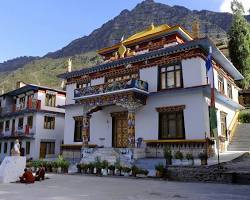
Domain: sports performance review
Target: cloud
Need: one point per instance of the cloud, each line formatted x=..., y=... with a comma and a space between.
x=226, y=5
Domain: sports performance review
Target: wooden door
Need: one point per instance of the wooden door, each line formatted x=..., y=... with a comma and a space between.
x=120, y=130
x=43, y=149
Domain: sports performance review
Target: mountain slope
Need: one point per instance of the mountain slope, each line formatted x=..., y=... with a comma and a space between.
x=213, y=24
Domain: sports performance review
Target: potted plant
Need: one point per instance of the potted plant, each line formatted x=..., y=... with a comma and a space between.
x=91, y=168
x=134, y=170
x=190, y=158
x=54, y=167
x=126, y=171
x=142, y=172
x=98, y=166
x=118, y=166
x=159, y=170
x=105, y=165
x=168, y=156
x=179, y=157
x=78, y=166
x=65, y=166
x=111, y=169
x=203, y=157
x=84, y=168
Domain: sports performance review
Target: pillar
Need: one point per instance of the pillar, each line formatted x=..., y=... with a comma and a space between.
x=131, y=128
x=85, y=130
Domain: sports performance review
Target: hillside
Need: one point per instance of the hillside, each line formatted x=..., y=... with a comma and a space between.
x=44, y=70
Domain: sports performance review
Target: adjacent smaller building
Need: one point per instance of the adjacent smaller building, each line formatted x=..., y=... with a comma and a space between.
x=32, y=114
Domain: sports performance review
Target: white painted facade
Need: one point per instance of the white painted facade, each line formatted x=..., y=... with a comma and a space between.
x=38, y=133
x=194, y=95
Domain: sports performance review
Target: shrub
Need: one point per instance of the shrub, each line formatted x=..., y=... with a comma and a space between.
x=105, y=164
x=142, y=171
x=126, y=169
x=112, y=169
x=98, y=165
x=189, y=156
x=203, y=155
x=167, y=153
x=159, y=167
x=178, y=155
x=134, y=170
x=244, y=117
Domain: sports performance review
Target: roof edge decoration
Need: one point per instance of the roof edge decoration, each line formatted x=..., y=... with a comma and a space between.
x=202, y=43
x=150, y=32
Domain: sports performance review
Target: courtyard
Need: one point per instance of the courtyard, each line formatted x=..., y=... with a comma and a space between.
x=74, y=187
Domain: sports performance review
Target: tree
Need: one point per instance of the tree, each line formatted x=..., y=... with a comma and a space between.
x=239, y=42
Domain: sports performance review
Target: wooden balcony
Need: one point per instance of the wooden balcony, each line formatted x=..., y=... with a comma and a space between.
x=111, y=88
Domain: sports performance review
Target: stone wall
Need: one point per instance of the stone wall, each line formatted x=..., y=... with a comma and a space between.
x=200, y=174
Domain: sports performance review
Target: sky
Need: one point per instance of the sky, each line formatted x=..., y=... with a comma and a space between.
x=34, y=28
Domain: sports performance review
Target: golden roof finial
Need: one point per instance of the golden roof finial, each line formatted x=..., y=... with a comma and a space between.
x=196, y=29
x=122, y=50
x=152, y=26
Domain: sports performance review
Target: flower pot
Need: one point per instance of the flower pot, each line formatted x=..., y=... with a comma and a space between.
x=54, y=169
x=59, y=170
x=159, y=174
x=104, y=172
x=177, y=162
x=204, y=161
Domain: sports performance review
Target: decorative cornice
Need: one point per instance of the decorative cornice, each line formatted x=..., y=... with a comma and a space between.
x=171, y=108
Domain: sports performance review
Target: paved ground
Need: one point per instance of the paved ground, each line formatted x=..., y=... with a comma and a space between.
x=74, y=187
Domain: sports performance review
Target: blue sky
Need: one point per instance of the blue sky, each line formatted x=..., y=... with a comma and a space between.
x=35, y=27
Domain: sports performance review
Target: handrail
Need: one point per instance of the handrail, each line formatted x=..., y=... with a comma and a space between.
x=232, y=126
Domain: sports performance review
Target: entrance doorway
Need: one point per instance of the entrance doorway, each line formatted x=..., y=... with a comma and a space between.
x=120, y=129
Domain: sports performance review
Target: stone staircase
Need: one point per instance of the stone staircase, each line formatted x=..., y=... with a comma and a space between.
x=241, y=138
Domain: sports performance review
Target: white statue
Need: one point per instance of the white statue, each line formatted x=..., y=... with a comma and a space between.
x=16, y=149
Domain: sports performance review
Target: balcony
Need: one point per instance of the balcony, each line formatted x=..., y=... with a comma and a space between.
x=133, y=85
x=32, y=104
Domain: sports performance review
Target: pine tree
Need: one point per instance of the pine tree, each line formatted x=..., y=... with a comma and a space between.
x=239, y=42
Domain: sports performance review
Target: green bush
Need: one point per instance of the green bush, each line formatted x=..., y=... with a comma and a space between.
x=134, y=170
x=244, y=117
x=178, y=155
x=126, y=169
x=189, y=156
x=159, y=167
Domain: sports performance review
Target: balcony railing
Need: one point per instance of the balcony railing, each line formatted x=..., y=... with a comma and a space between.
x=32, y=104
x=111, y=87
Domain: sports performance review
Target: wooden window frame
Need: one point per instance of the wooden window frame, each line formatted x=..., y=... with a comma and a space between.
x=80, y=125
x=19, y=125
x=49, y=124
x=230, y=91
x=223, y=116
x=27, y=148
x=30, y=123
x=50, y=100
x=221, y=82
x=167, y=111
x=175, y=80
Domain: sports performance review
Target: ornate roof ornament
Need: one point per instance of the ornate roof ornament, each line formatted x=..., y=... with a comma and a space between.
x=122, y=50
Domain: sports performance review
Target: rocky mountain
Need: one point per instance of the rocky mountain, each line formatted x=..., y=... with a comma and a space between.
x=16, y=63
x=213, y=24
x=128, y=22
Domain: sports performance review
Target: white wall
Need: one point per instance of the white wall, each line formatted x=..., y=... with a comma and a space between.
x=147, y=118
x=194, y=72
x=97, y=81
x=70, y=93
x=150, y=75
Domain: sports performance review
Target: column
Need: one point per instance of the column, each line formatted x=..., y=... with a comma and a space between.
x=85, y=130
x=131, y=128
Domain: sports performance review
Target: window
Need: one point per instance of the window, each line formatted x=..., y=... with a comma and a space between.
x=48, y=147
x=30, y=121
x=223, y=124
x=50, y=100
x=83, y=85
x=22, y=102
x=5, y=147
x=0, y=147
x=27, y=148
x=221, y=84
x=1, y=127
x=78, y=130
x=122, y=78
x=49, y=122
x=7, y=125
x=20, y=123
x=170, y=77
x=171, y=125
x=11, y=146
x=229, y=91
